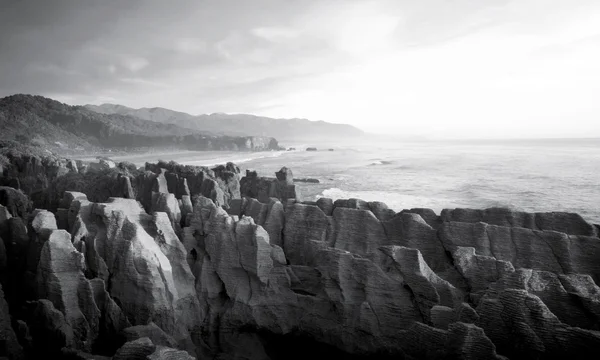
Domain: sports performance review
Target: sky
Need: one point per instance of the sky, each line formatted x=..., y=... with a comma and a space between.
x=436, y=68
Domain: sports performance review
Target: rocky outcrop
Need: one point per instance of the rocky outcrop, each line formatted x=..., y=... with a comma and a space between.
x=9, y=344
x=262, y=188
x=247, y=275
x=568, y=223
x=143, y=262
x=270, y=216
x=307, y=180
x=145, y=349
x=15, y=201
x=183, y=266
x=525, y=248
x=60, y=279
x=444, y=277
x=221, y=184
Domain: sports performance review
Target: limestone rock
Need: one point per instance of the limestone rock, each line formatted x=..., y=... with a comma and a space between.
x=150, y=331
x=525, y=248
x=186, y=207
x=412, y=231
x=41, y=225
x=522, y=327
x=69, y=197
x=286, y=175
x=326, y=205
x=15, y=201
x=574, y=298
x=270, y=216
x=468, y=341
x=460, y=341
x=112, y=320
x=263, y=188
x=428, y=288
x=16, y=241
x=138, y=349
x=479, y=271
x=381, y=211
x=228, y=180
x=303, y=223
x=430, y=217
x=72, y=166
x=60, y=279
x=351, y=204
x=357, y=231
x=167, y=203
x=9, y=344
x=165, y=353
x=49, y=329
x=568, y=223
x=146, y=264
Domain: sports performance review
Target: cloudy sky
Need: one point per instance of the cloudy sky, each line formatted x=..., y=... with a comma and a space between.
x=445, y=68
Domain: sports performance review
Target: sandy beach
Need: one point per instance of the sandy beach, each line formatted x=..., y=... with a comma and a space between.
x=198, y=158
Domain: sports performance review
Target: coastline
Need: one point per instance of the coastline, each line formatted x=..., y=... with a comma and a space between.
x=188, y=157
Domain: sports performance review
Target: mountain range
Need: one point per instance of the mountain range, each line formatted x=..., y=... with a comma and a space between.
x=37, y=120
x=238, y=124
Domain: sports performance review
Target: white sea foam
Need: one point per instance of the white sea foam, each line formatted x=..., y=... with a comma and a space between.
x=235, y=160
x=394, y=201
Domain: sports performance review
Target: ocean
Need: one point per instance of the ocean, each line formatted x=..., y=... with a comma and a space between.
x=527, y=175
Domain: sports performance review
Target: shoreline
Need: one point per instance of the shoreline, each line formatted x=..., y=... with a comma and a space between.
x=188, y=157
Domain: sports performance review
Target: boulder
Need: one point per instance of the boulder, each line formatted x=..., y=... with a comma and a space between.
x=285, y=175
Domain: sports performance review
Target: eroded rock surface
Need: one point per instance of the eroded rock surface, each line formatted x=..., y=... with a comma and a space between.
x=196, y=262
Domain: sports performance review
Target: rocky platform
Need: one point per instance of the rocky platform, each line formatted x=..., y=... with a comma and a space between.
x=182, y=265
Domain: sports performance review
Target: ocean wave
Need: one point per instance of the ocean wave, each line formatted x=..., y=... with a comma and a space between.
x=223, y=160
x=395, y=201
x=381, y=162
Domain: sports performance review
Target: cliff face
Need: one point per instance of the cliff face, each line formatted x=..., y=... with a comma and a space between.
x=184, y=260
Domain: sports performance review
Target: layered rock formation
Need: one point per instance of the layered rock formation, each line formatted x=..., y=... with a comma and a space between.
x=188, y=264
x=372, y=282
x=262, y=188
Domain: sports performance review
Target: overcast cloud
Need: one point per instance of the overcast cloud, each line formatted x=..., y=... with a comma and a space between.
x=462, y=68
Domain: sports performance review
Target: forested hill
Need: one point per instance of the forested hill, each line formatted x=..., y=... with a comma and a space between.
x=238, y=124
x=50, y=123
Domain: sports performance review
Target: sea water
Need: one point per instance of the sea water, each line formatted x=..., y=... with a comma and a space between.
x=527, y=175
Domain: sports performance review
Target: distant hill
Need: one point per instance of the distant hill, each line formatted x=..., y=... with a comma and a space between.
x=238, y=124
x=49, y=123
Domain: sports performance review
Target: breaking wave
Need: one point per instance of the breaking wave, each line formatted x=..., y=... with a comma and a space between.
x=233, y=159
x=395, y=201
x=381, y=162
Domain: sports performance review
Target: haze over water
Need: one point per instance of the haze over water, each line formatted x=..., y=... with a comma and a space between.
x=524, y=175
x=528, y=175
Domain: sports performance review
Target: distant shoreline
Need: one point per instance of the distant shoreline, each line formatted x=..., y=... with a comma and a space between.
x=187, y=157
